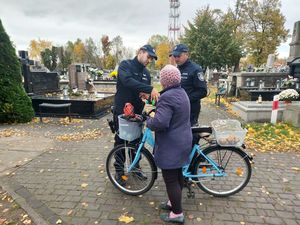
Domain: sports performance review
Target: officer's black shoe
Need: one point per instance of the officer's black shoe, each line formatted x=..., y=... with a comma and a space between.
x=139, y=174
x=119, y=179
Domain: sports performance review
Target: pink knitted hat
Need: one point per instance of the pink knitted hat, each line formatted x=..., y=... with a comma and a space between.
x=169, y=76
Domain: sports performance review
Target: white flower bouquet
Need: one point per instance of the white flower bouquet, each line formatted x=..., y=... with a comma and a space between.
x=288, y=95
x=289, y=82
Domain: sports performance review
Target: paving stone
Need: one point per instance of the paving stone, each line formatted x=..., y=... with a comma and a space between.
x=223, y=216
x=108, y=222
x=297, y=216
x=291, y=222
x=92, y=214
x=67, y=205
x=273, y=220
x=79, y=220
x=238, y=217
x=284, y=214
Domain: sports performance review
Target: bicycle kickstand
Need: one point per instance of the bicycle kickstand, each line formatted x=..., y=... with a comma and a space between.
x=190, y=193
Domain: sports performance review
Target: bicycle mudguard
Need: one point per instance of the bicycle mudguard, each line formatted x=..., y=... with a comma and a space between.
x=250, y=157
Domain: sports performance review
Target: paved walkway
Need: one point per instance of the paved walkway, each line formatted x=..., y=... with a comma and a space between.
x=68, y=182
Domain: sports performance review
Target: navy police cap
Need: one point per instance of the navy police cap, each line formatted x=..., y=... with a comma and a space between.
x=150, y=50
x=178, y=49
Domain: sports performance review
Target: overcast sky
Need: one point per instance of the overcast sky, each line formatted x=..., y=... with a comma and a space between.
x=134, y=20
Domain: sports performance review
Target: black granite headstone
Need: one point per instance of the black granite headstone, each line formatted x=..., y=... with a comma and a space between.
x=44, y=82
x=37, y=82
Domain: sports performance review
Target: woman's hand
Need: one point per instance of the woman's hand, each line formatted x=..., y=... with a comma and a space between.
x=154, y=95
x=144, y=96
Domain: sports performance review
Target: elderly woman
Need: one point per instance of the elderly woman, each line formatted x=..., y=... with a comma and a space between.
x=173, y=139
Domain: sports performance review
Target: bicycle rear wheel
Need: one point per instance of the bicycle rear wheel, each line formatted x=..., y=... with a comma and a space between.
x=140, y=179
x=232, y=161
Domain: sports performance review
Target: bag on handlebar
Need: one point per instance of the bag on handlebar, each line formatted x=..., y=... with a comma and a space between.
x=129, y=130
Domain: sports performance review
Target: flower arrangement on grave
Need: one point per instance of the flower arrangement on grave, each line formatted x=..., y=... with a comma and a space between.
x=289, y=82
x=113, y=74
x=97, y=73
x=288, y=95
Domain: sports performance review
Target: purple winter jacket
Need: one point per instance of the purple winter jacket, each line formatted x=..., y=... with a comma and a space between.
x=171, y=123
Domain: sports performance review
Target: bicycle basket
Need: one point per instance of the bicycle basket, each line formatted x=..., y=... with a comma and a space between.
x=228, y=132
x=129, y=130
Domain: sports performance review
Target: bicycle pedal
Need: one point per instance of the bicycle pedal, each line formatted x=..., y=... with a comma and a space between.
x=191, y=195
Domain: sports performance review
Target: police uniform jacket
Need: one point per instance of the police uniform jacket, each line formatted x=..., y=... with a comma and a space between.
x=192, y=81
x=132, y=79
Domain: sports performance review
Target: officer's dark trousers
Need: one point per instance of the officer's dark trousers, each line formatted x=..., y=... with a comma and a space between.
x=120, y=155
x=195, y=111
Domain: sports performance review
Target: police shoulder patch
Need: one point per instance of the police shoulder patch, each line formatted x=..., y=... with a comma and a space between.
x=200, y=76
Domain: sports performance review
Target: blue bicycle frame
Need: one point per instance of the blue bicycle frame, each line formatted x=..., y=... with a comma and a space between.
x=148, y=138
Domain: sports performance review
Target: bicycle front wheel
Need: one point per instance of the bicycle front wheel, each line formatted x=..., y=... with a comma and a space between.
x=234, y=164
x=137, y=181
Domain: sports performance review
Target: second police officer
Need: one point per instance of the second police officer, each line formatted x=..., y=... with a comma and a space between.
x=192, y=80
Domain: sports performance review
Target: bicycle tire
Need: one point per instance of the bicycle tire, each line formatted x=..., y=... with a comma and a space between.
x=130, y=183
x=236, y=165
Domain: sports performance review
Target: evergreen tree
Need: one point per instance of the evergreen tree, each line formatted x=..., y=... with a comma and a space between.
x=15, y=105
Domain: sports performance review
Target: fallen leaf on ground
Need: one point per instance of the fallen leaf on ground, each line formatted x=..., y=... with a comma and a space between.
x=126, y=219
x=12, y=132
x=24, y=217
x=285, y=180
x=84, y=185
x=78, y=136
x=191, y=216
x=27, y=222
x=5, y=210
x=84, y=204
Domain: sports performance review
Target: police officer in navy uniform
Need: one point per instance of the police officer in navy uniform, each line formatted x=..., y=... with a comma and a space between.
x=133, y=80
x=192, y=80
x=133, y=83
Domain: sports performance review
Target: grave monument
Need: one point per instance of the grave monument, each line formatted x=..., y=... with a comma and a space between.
x=48, y=99
x=269, y=84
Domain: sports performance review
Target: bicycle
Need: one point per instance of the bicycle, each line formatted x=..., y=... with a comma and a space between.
x=218, y=171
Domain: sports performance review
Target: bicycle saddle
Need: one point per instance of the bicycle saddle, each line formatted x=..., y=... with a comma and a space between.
x=202, y=131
